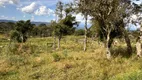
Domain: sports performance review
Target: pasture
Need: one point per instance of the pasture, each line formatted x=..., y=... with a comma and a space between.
x=36, y=60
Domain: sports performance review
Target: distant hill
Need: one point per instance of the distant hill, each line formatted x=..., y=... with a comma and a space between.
x=36, y=23
x=7, y=21
x=81, y=26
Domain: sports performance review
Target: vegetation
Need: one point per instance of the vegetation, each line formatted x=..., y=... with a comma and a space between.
x=21, y=31
x=36, y=60
x=107, y=51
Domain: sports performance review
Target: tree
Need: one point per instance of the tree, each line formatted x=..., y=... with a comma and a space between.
x=84, y=9
x=58, y=28
x=59, y=10
x=42, y=25
x=6, y=27
x=65, y=25
x=94, y=30
x=22, y=30
x=133, y=17
x=35, y=31
x=53, y=27
x=109, y=15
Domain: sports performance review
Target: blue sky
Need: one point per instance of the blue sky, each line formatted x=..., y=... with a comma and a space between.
x=35, y=10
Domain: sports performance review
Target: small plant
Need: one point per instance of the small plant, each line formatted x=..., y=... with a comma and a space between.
x=65, y=53
x=56, y=57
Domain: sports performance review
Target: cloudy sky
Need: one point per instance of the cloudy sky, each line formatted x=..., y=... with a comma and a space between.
x=35, y=10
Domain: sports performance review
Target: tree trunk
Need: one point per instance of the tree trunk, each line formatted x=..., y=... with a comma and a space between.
x=138, y=48
x=129, y=47
x=54, y=43
x=59, y=39
x=108, y=45
x=139, y=44
x=22, y=37
x=127, y=39
x=92, y=39
x=128, y=42
x=85, y=36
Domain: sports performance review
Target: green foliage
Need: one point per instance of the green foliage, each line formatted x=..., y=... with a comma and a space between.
x=35, y=31
x=79, y=32
x=21, y=31
x=65, y=25
x=5, y=28
x=56, y=57
x=107, y=18
x=15, y=35
x=59, y=9
x=41, y=31
x=65, y=53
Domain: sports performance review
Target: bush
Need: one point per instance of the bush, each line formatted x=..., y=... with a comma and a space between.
x=56, y=57
x=79, y=32
x=65, y=53
x=15, y=36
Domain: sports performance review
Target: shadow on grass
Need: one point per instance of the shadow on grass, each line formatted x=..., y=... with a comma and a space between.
x=122, y=51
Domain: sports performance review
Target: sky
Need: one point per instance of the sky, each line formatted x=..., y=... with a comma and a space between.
x=35, y=10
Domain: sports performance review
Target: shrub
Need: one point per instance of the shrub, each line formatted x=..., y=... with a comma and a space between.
x=56, y=57
x=65, y=53
x=79, y=32
x=15, y=36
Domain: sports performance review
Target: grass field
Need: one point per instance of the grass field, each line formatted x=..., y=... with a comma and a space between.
x=36, y=60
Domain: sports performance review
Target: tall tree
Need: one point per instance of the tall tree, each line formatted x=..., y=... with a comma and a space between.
x=84, y=9
x=109, y=14
x=65, y=24
x=53, y=26
x=21, y=31
x=59, y=10
x=58, y=28
x=137, y=20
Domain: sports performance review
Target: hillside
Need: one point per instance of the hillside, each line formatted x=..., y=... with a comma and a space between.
x=36, y=23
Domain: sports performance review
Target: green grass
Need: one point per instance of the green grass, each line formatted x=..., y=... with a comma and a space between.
x=35, y=60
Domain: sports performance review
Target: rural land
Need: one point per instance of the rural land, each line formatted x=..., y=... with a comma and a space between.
x=71, y=40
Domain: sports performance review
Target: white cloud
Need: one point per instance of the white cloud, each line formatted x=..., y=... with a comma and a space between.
x=30, y=8
x=36, y=9
x=14, y=1
x=7, y=18
x=3, y=17
x=3, y=2
x=80, y=18
x=43, y=10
